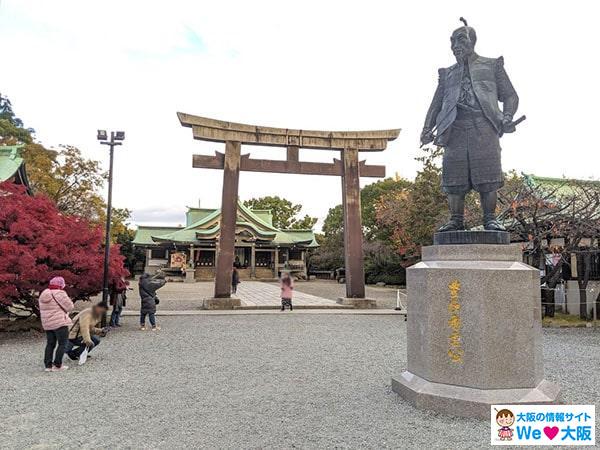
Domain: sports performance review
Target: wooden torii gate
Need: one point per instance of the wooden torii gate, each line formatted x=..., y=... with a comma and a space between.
x=348, y=143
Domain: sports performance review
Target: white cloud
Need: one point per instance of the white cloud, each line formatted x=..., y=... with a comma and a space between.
x=73, y=67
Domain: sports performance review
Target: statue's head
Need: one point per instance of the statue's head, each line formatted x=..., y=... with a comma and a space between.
x=462, y=41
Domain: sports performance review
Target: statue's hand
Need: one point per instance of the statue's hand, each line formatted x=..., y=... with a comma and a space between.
x=508, y=125
x=426, y=136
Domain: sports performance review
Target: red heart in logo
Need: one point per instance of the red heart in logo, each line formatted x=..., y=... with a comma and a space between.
x=551, y=432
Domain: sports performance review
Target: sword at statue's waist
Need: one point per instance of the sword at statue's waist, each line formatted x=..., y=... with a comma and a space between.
x=518, y=121
x=512, y=126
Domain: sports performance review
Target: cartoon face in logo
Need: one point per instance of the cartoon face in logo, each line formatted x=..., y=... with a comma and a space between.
x=505, y=418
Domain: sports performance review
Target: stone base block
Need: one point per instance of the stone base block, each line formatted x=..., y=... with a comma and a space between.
x=475, y=320
x=465, y=401
x=471, y=237
x=474, y=337
x=190, y=276
x=221, y=303
x=359, y=303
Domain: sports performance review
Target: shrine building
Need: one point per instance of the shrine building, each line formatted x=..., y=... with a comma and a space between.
x=262, y=251
x=12, y=166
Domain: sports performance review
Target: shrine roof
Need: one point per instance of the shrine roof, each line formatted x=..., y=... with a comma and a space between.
x=561, y=186
x=306, y=238
x=143, y=234
x=203, y=224
x=556, y=180
x=10, y=161
x=12, y=166
x=195, y=214
x=265, y=214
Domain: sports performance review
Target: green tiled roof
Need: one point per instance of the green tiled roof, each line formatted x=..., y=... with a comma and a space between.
x=184, y=236
x=554, y=180
x=264, y=214
x=10, y=161
x=306, y=238
x=246, y=212
x=143, y=235
x=560, y=186
x=203, y=224
x=196, y=214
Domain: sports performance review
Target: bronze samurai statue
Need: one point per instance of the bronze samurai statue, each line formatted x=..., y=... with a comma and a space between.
x=465, y=119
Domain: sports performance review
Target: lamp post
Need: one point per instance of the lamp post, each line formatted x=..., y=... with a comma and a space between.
x=115, y=139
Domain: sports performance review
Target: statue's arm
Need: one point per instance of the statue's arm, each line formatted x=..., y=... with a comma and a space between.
x=434, y=110
x=506, y=92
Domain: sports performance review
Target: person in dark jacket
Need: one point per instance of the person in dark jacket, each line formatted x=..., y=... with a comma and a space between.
x=235, y=280
x=148, y=286
x=118, y=290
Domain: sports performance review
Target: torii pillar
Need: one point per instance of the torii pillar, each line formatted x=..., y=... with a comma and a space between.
x=353, y=242
x=225, y=256
x=349, y=168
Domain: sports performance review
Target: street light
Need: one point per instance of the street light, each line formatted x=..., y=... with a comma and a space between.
x=115, y=139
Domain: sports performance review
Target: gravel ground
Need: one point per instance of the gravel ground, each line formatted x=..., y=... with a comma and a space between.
x=276, y=381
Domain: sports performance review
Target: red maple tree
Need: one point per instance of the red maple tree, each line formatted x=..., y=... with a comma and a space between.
x=38, y=243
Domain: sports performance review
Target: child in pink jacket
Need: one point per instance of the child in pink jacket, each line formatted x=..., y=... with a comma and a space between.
x=287, y=286
x=55, y=306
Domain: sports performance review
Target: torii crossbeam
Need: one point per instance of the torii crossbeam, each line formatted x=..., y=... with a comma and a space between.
x=348, y=143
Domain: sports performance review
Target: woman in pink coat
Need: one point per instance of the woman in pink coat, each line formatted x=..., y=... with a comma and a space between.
x=287, y=286
x=55, y=306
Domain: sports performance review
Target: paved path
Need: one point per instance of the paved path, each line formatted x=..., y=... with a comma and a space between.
x=274, y=311
x=385, y=296
x=256, y=294
x=188, y=296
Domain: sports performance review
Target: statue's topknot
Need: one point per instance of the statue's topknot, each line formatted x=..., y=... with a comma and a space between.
x=470, y=30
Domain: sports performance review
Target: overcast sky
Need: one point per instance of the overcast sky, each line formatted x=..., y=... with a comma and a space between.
x=71, y=67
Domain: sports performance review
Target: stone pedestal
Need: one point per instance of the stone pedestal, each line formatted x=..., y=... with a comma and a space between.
x=221, y=303
x=471, y=237
x=474, y=331
x=190, y=276
x=358, y=303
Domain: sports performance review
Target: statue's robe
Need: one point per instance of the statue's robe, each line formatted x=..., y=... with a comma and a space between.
x=468, y=122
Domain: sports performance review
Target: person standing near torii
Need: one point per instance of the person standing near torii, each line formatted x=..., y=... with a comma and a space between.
x=465, y=119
